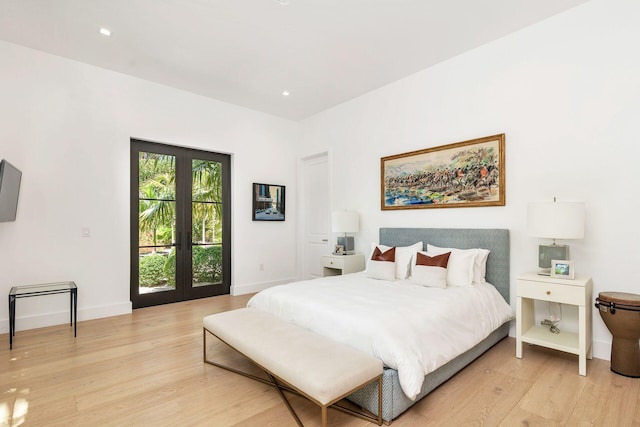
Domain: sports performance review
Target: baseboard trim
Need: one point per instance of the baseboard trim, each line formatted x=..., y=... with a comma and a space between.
x=257, y=287
x=24, y=323
x=602, y=350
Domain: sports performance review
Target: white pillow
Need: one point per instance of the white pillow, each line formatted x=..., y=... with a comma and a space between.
x=460, y=267
x=404, y=257
x=382, y=270
x=432, y=275
x=479, y=263
x=480, y=266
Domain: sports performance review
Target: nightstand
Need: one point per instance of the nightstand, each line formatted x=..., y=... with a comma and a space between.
x=335, y=265
x=531, y=287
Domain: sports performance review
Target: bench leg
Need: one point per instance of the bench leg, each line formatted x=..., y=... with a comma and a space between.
x=324, y=416
x=272, y=381
x=286, y=401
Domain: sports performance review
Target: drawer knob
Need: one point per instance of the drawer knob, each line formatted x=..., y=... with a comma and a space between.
x=548, y=292
x=331, y=262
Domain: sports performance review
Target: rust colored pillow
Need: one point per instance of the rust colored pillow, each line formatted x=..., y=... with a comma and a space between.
x=435, y=261
x=389, y=255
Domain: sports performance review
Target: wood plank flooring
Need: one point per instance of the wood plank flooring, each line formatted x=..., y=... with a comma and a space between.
x=146, y=369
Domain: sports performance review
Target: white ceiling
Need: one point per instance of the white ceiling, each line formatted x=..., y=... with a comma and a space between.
x=246, y=52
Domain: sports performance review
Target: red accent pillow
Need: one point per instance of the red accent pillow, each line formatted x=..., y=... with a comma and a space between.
x=435, y=261
x=389, y=255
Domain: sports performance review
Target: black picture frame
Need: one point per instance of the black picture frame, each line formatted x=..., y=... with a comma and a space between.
x=268, y=202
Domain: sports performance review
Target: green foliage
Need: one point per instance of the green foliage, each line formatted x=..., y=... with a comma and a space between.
x=207, y=265
x=157, y=194
x=157, y=216
x=170, y=268
x=152, y=270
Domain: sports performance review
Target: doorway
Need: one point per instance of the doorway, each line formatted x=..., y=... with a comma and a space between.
x=180, y=224
x=315, y=213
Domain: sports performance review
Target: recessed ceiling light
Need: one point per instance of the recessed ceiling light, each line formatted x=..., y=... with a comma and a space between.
x=286, y=93
x=105, y=32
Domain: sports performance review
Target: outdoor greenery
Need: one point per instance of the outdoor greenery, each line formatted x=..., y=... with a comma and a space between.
x=207, y=265
x=152, y=270
x=157, y=218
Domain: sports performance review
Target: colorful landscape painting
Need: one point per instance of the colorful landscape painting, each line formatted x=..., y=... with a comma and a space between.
x=464, y=174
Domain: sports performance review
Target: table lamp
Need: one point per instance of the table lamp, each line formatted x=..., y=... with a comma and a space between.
x=345, y=222
x=554, y=220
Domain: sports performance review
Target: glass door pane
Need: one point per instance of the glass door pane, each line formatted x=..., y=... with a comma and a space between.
x=180, y=224
x=156, y=223
x=206, y=223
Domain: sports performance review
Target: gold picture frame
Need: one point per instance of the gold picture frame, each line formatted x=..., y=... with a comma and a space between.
x=464, y=174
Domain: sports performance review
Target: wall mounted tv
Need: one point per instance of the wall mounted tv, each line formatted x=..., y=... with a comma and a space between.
x=10, y=178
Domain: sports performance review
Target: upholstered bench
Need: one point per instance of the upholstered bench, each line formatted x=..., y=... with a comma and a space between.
x=295, y=359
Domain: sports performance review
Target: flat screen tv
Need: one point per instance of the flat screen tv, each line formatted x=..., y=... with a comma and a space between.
x=10, y=178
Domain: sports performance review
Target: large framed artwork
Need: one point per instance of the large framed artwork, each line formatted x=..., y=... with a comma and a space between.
x=268, y=202
x=464, y=174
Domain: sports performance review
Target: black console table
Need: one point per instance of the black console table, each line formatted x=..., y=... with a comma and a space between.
x=43, y=289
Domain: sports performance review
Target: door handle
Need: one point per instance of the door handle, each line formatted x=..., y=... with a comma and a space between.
x=325, y=240
x=189, y=242
x=179, y=240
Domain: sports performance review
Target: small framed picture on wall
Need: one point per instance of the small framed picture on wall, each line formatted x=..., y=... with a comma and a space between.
x=268, y=202
x=562, y=269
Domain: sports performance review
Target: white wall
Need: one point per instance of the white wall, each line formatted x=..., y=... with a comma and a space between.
x=567, y=94
x=67, y=126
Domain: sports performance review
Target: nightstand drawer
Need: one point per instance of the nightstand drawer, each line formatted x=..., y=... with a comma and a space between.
x=333, y=262
x=566, y=294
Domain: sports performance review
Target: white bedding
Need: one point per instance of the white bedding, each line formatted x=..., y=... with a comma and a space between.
x=411, y=328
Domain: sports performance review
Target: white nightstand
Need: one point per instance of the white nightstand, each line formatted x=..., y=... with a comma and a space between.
x=335, y=265
x=531, y=287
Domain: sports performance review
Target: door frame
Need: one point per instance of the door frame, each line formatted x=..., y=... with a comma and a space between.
x=184, y=291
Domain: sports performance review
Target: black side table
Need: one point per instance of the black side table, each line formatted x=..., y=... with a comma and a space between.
x=43, y=289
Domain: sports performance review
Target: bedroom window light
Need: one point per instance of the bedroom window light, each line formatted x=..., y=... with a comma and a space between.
x=345, y=222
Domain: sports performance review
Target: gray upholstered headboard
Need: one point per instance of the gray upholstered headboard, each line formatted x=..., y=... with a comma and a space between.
x=496, y=240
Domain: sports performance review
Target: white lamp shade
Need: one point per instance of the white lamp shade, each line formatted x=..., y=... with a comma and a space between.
x=345, y=222
x=556, y=220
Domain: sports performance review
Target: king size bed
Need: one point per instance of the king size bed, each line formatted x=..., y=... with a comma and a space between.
x=423, y=334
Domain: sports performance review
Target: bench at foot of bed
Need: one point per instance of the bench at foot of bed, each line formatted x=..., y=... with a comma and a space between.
x=295, y=359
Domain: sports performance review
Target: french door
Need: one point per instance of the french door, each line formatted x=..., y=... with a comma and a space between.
x=180, y=224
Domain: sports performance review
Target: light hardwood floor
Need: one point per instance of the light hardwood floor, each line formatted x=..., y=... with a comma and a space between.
x=146, y=369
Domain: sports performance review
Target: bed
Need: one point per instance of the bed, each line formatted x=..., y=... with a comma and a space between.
x=315, y=305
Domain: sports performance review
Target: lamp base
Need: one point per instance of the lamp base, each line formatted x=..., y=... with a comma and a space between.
x=547, y=253
x=347, y=244
x=544, y=272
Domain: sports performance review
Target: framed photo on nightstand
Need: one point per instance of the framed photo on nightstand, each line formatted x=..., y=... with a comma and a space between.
x=562, y=269
x=338, y=250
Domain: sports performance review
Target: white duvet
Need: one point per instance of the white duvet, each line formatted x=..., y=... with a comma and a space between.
x=411, y=328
